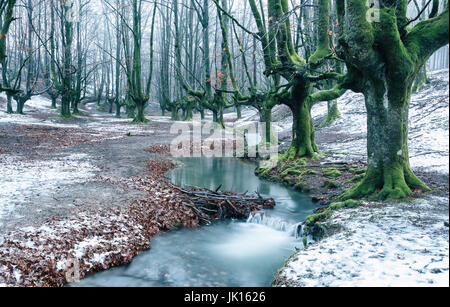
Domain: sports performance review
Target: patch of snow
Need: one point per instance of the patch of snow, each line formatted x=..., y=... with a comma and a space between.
x=397, y=245
x=80, y=248
x=39, y=102
x=23, y=179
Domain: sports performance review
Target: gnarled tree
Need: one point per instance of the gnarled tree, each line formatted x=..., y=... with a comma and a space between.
x=282, y=61
x=384, y=56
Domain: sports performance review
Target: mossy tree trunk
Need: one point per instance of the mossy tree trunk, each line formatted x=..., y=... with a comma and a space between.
x=131, y=111
x=20, y=103
x=140, y=116
x=421, y=80
x=139, y=93
x=75, y=109
x=188, y=115
x=175, y=112
x=238, y=112
x=110, y=105
x=66, y=86
x=219, y=119
x=332, y=113
x=9, y=108
x=387, y=143
x=303, y=141
x=265, y=116
x=215, y=116
x=8, y=10
x=53, y=91
x=118, y=107
x=53, y=99
x=385, y=59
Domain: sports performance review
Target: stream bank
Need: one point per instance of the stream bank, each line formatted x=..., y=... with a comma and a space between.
x=228, y=253
x=376, y=244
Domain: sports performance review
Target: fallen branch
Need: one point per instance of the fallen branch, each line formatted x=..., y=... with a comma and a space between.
x=214, y=205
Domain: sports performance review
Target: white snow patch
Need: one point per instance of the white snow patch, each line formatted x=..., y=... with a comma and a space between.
x=396, y=245
x=23, y=179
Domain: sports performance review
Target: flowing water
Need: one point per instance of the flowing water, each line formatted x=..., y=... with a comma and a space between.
x=231, y=253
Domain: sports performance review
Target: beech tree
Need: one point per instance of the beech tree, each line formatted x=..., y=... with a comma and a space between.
x=213, y=98
x=138, y=90
x=283, y=62
x=384, y=56
x=6, y=18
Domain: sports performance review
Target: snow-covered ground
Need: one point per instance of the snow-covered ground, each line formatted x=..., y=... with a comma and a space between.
x=21, y=180
x=380, y=245
x=104, y=125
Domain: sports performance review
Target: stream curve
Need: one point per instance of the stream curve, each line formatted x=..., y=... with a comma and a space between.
x=227, y=253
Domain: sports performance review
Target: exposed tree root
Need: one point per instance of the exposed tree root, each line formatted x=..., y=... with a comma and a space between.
x=395, y=182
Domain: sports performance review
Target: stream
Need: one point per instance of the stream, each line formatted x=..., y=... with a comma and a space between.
x=228, y=253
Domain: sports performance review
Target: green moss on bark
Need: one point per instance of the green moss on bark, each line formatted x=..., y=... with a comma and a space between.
x=332, y=115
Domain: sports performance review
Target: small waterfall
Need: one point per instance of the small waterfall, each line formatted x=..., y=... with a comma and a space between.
x=295, y=230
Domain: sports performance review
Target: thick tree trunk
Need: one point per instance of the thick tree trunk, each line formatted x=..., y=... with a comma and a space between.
x=140, y=116
x=65, y=107
x=238, y=112
x=9, y=108
x=131, y=111
x=188, y=113
x=53, y=106
x=303, y=141
x=175, y=113
x=75, y=107
x=66, y=96
x=220, y=120
x=387, y=143
x=421, y=79
x=20, y=104
x=332, y=115
x=218, y=117
x=265, y=116
x=110, y=107
x=118, y=106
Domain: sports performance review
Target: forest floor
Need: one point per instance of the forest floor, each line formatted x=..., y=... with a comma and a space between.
x=85, y=189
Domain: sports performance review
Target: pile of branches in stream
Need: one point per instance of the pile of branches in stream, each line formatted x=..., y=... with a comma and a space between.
x=215, y=205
